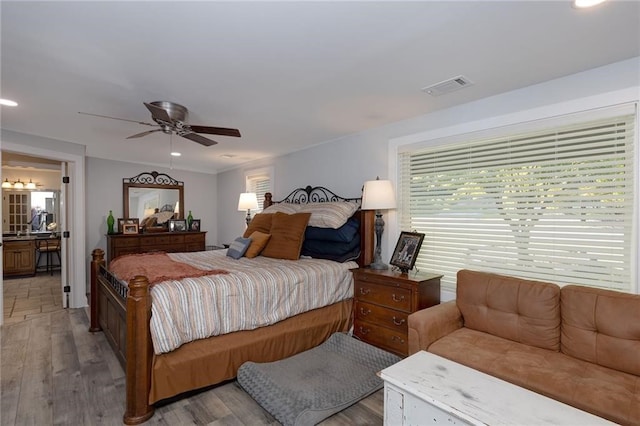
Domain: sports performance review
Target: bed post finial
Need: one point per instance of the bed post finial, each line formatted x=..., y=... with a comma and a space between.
x=97, y=260
x=139, y=352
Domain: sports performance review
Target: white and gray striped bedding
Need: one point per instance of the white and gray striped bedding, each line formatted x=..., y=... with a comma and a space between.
x=256, y=292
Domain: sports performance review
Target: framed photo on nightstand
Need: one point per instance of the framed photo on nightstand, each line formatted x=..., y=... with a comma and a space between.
x=406, y=251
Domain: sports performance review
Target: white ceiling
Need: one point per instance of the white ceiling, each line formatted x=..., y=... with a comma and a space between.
x=289, y=75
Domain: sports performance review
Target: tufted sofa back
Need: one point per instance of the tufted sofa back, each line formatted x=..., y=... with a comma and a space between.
x=523, y=311
x=601, y=326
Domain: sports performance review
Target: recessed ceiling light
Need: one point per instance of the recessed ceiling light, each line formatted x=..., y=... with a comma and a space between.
x=582, y=4
x=176, y=154
x=8, y=102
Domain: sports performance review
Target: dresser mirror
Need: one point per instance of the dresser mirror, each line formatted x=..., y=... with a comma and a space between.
x=152, y=192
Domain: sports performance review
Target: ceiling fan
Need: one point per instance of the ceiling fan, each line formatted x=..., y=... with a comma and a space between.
x=172, y=118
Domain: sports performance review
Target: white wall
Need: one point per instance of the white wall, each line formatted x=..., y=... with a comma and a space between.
x=104, y=193
x=344, y=164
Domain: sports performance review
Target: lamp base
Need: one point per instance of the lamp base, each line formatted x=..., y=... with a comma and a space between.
x=379, y=266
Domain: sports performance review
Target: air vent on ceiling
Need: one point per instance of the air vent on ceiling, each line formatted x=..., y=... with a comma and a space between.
x=448, y=86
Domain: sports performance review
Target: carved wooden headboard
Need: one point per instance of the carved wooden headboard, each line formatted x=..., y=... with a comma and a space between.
x=320, y=194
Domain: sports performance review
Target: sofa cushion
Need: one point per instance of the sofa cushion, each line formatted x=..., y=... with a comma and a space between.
x=602, y=326
x=520, y=310
x=599, y=390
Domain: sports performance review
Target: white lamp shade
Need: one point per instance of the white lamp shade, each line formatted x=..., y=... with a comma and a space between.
x=18, y=185
x=248, y=201
x=31, y=185
x=378, y=195
x=6, y=184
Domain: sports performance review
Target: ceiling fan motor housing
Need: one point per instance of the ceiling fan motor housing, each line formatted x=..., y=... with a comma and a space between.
x=177, y=112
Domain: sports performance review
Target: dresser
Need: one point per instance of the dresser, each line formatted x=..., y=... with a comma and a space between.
x=119, y=244
x=384, y=299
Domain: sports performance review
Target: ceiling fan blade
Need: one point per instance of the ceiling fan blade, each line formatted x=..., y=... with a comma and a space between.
x=197, y=138
x=158, y=113
x=223, y=131
x=148, y=132
x=116, y=118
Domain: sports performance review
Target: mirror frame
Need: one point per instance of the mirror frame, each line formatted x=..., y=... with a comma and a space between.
x=152, y=180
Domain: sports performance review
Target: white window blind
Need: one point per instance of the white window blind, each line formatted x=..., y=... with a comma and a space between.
x=553, y=205
x=259, y=183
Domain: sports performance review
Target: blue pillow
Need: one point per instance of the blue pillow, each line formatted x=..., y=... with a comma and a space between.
x=345, y=234
x=238, y=247
x=314, y=248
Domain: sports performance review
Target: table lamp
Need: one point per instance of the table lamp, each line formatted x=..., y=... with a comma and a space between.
x=378, y=195
x=248, y=201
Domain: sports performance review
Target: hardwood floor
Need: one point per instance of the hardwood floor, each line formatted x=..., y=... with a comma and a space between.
x=54, y=372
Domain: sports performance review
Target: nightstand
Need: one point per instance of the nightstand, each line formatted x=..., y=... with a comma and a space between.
x=383, y=301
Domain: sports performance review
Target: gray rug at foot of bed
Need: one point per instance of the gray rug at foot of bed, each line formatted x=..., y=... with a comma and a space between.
x=313, y=385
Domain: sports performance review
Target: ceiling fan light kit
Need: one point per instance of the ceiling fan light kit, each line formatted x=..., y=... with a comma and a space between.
x=170, y=118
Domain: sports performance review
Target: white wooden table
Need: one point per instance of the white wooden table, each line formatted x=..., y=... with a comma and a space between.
x=426, y=389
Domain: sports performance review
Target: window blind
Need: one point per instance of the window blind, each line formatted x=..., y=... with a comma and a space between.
x=555, y=204
x=260, y=184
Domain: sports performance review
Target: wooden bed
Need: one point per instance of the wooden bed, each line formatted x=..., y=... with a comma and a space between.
x=123, y=313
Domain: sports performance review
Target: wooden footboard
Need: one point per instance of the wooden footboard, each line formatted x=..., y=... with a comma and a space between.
x=123, y=314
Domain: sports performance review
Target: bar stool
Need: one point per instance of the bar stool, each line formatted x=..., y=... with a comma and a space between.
x=49, y=247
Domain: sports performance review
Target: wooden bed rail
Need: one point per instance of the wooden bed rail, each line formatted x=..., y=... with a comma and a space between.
x=138, y=348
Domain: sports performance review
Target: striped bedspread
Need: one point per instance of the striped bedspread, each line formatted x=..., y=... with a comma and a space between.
x=256, y=292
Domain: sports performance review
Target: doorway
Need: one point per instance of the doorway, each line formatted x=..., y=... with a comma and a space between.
x=31, y=212
x=72, y=202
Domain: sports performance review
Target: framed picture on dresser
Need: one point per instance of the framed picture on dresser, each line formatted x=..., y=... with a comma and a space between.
x=177, y=225
x=122, y=221
x=195, y=225
x=130, y=228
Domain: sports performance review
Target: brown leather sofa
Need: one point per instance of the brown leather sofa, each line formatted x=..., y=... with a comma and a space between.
x=578, y=345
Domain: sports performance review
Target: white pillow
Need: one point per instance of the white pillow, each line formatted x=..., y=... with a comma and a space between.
x=333, y=214
x=288, y=208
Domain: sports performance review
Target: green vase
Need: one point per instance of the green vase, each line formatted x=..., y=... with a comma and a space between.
x=189, y=220
x=110, y=222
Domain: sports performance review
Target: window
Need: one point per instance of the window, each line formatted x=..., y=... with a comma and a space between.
x=259, y=181
x=556, y=204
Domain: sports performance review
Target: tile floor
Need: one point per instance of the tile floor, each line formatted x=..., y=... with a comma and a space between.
x=25, y=298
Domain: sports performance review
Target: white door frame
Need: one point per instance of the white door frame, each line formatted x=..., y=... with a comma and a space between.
x=73, y=209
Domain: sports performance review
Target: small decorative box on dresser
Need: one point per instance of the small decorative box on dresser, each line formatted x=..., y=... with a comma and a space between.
x=383, y=301
x=120, y=244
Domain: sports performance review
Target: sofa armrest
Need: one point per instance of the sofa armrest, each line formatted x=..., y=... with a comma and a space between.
x=430, y=324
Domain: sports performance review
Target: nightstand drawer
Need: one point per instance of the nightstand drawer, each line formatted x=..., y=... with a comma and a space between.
x=390, y=340
x=384, y=317
x=391, y=297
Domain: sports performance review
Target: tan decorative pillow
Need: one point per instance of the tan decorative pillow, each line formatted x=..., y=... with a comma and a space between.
x=260, y=222
x=288, y=208
x=333, y=214
x=287, y=235
x=259, y=241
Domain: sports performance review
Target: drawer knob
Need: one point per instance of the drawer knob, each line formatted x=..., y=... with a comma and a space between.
x=398, y=322
x=364, y=291
x=397, y=339
x=396, y=298
x=364, y=312
x=363, y=330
